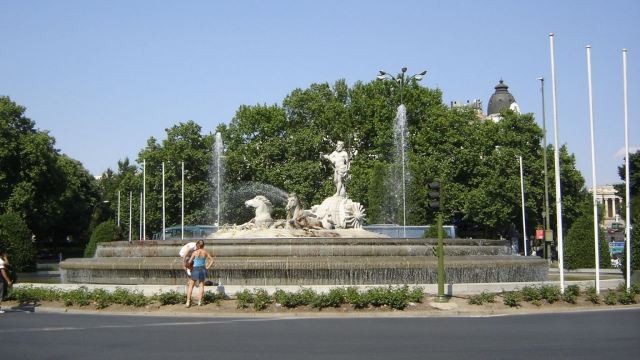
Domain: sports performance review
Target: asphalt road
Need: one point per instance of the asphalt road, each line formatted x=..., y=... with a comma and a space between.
x=585, y=335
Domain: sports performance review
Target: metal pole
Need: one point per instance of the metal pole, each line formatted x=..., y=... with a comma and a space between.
x=557, y=166
x=594, y=183
x=626, y=163
x=140, y=221
x=163, y=211
x=129, y=216
x=144, y=199
x=546, y=248
x=441, y=296
x=118, y=208
x=182, y=224
x=524, y=225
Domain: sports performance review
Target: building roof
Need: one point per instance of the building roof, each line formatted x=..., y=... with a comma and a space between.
x=500, y=99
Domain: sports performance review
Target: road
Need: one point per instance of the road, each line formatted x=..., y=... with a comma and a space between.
x=583, y=335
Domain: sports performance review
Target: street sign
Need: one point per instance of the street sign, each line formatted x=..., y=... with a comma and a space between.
x=616, y=247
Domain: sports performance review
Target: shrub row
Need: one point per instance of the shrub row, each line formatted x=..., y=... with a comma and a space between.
x=81, y=296
x=551, y=294
x=394, y=297
x=259, y=299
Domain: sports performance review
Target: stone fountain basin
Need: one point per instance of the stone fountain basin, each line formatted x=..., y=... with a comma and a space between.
x=309, y=247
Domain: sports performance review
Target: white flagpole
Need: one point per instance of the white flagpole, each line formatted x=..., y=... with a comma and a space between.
x=129, y=216
x=140, y=221
x=557, y=166
x=163, y=212
x=144, y=199
x=626, y=163
x=182, y=225
x=594, y=183
x=524, y=225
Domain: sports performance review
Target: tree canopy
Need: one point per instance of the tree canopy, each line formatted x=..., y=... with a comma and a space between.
x=54, y=194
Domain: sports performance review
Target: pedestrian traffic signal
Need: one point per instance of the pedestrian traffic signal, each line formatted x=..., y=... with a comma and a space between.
x=434, y=195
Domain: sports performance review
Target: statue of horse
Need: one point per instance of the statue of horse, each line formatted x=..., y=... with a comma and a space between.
x=262, y=219
x=297, y=218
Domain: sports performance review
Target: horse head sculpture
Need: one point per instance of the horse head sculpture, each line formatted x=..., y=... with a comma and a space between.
x=263, y=208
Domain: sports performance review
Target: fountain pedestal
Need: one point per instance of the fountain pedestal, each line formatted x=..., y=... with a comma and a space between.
x=309, y=261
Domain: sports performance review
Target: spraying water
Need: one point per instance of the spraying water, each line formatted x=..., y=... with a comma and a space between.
x=399, y=167
x=216, y=174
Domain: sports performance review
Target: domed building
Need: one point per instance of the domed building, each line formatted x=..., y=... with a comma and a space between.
x=501, y=99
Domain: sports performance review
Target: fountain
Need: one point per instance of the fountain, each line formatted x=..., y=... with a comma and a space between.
x=399, y=173
x=324, y=245
x=216, y=175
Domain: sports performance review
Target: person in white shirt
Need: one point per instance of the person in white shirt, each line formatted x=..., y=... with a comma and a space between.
x=185, y=254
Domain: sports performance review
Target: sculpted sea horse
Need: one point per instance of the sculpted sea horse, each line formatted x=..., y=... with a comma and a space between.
x=262, y=219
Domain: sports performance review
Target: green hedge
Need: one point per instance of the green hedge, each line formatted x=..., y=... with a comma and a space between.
x=579, y=248
x=106, y=231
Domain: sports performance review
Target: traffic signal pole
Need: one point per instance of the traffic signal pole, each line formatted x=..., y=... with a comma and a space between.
x=435, y=202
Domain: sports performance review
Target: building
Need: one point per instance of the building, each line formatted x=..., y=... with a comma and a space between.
x=501, y=99
x=606, y=195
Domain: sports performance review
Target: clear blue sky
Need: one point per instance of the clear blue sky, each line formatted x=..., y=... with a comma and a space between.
x=104, y=76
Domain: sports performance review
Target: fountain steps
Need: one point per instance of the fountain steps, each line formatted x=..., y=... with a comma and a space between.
x=315, y=261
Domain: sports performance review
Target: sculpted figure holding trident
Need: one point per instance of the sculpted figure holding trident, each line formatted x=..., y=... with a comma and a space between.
x=340, y=160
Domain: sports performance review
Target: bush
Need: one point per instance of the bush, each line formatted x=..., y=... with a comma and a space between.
x=243, y=299
x=211, y=297
x=626, y=298
x=592, y=295
x=261, y=299
x=579, y=249
x=106, y=231
x=357, y=299
x=482, y=298
x=80, y=296
x=512, y=298
x=611, y=298
x=171, y=298
x=573, y=290
x=131, y=298
x=531, y=294
x=550, y=293
x=569, y=297
x=15, y=238
x=30, y=294
x=416, y=294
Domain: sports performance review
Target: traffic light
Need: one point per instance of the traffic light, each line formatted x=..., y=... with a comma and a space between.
x=434, y=195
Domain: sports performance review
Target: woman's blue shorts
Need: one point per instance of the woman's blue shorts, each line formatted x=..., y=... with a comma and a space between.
x=198, y=273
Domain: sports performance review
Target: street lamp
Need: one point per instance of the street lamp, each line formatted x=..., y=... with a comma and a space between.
x=548, y=236
x=401, y=80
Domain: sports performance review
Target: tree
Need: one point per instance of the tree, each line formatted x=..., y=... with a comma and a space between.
x=634, y=185
x=104, y=232
x=15, y=238
x=51, y=192
x=184, y=143
x=635, y=249
x=579, y=248
x=475, y=160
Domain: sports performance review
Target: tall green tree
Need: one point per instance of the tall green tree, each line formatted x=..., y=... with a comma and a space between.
x=184, y=143
x=52, y=193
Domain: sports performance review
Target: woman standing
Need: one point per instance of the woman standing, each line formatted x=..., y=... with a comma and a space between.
x=199, y=260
